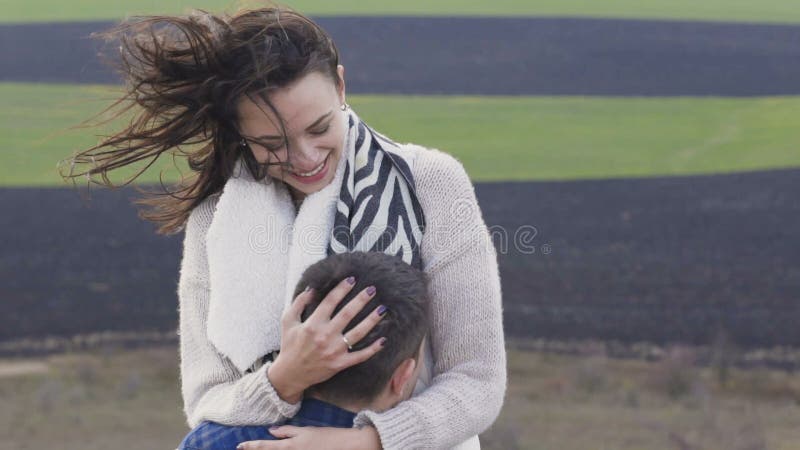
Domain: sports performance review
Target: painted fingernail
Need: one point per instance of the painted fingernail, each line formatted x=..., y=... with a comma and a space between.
x=382, y=310
x=371, y=290
x=383, y=341
x=351, y=280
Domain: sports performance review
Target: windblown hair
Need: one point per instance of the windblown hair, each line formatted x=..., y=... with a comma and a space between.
x=400, y=287
x=183, y=78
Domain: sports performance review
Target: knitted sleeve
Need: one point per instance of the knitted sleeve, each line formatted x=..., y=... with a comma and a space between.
x=212, y=387
x=466, y=329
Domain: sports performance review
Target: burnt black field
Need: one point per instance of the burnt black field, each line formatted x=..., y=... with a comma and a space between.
x=487, y=56
x=663, y=260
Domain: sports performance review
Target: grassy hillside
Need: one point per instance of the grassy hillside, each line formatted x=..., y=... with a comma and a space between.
x=497, y=138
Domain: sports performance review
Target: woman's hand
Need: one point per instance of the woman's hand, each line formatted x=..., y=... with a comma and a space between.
x=313, y=351
x=292, y=437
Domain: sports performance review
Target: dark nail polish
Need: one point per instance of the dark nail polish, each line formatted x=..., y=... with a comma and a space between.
x=382, y=310
x=383, y=341
x=371, y=290
x=351, y=280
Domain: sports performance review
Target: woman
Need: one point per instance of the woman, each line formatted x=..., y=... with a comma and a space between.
x=284, y=173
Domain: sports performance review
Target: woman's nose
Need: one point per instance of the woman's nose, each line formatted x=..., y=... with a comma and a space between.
x=305, y=156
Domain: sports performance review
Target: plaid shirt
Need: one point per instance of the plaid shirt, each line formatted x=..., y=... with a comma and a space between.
x=313, y=412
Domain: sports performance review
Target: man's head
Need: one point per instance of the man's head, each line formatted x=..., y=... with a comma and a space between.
x=389, y=376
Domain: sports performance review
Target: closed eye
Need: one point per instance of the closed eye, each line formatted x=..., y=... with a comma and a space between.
x=322, y=131
x=275, y=148
x=271, y=148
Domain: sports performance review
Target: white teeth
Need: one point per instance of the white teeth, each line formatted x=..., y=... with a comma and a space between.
x=313, y=172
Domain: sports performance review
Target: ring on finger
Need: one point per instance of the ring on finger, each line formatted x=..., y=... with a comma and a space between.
x=349, y=347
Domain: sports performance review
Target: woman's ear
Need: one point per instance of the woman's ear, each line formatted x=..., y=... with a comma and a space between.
x=340, y=72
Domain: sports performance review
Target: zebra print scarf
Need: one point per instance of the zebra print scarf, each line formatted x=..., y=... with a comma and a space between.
x=370, y=205
x=378, y=209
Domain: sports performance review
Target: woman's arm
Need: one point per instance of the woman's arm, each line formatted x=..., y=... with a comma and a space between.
x=469, y=383
x=212, y=388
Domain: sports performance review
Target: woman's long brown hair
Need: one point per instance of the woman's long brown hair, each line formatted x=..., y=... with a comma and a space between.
x=183, y=77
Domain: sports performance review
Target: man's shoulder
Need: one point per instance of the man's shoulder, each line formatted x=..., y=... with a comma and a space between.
x=212, y=436
x=315, y=412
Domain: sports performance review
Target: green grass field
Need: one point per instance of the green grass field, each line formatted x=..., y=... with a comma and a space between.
x=715, y=10
x=497, y=138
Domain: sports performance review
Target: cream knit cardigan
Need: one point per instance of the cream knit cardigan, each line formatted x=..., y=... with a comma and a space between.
x=463, y=379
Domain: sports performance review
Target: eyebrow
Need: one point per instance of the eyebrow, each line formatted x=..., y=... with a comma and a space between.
x=316, y=122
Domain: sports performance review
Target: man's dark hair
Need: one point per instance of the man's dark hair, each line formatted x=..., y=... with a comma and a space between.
x=401, y=288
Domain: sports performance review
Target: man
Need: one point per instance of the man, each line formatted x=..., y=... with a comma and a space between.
x=379, y=383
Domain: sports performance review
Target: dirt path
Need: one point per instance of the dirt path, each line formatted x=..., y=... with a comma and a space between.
x=22, y=368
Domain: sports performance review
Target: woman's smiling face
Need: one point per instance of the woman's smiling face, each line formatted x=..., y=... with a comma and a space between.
x=315, y=126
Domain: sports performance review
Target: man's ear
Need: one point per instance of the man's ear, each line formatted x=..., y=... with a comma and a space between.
x=340, y=72
x=401, y=376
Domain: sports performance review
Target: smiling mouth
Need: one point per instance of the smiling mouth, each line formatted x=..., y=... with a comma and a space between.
x=314, y=175
x=313, y=171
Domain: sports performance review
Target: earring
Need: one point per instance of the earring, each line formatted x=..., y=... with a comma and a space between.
x=344, y=106
x=243, y=143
